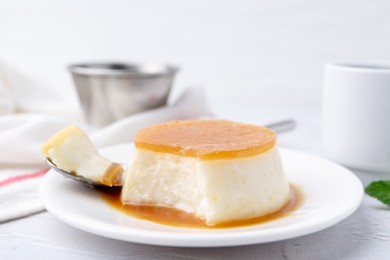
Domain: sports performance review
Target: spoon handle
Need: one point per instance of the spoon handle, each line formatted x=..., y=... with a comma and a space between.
x=282, y=126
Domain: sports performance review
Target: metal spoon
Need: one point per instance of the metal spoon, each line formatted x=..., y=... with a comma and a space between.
x=282, y=126
x=278, y=127
x=88, y=182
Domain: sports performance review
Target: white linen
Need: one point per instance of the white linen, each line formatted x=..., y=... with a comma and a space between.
x=21, y=135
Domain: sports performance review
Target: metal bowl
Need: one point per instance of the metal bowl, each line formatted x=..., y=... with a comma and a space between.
x=111, y=91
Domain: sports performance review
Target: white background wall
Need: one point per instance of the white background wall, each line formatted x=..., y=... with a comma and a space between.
x=255, y=51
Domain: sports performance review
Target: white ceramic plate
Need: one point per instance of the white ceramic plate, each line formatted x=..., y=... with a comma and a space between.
x=332, y=193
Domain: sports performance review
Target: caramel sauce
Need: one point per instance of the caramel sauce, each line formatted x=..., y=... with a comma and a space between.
x=174, y=217
x=206, y=139
x=113, y=174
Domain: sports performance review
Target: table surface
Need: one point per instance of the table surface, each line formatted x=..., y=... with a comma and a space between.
x=363, y=235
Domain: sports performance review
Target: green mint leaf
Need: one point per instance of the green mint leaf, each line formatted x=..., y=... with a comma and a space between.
x=379, y=190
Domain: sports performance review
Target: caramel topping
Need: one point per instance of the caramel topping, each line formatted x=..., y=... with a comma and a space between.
x=206, y=139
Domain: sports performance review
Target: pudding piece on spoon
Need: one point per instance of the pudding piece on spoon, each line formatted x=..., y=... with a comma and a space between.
x=72, y=153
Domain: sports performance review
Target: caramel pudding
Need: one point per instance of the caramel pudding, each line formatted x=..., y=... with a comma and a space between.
x=217, y=170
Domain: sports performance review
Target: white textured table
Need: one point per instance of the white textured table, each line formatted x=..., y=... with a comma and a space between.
x=364, y=235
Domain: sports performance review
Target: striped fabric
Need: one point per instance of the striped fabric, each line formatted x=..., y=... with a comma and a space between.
x=19, y=193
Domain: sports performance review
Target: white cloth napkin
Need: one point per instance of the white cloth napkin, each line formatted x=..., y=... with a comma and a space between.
x=22, y=165
x=21, y=135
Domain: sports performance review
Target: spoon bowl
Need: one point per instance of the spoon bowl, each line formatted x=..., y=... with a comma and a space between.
x=90, y=183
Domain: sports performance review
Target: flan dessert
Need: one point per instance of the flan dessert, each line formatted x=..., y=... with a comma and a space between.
x=71, y=150
x=218, y=170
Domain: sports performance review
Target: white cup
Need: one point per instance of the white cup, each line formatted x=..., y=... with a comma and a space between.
x=356, y=115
